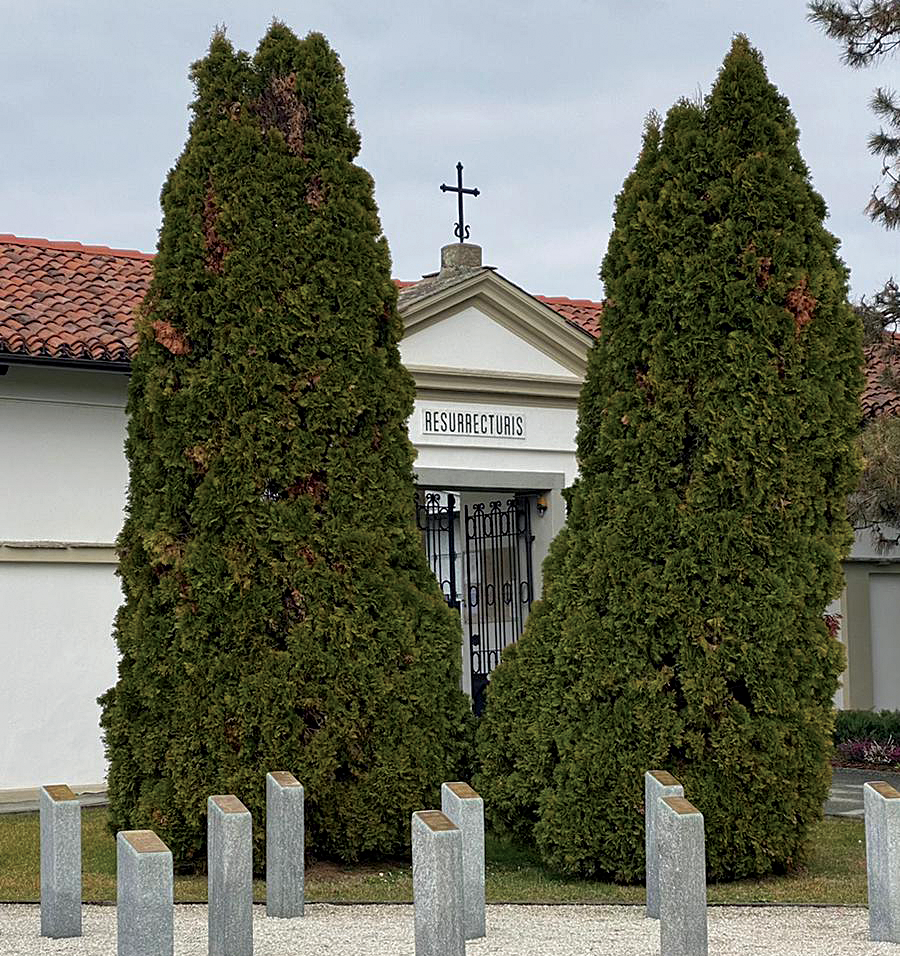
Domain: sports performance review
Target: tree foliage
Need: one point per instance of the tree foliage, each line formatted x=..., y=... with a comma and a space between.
x=870, y=30
x=681, y=624
x=279, y=611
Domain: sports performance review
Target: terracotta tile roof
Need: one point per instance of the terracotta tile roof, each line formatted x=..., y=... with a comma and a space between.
x=582, y=313
x=879, y=397
x=66, y=301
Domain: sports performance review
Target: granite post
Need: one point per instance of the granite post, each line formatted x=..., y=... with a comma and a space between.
x=437, y=885
x=230, y=869
x=657, y=783
x=144, y=908
x=284, y=845
x=463, y=807
x=682, y=878
x=60, y=816
x=882, y=810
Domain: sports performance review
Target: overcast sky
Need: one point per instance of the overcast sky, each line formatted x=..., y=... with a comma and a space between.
x=541, y=100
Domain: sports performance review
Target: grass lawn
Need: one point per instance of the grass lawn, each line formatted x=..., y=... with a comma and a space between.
x=836, y=872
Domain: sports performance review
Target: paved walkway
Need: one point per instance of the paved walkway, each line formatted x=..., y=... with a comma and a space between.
x=844, y=800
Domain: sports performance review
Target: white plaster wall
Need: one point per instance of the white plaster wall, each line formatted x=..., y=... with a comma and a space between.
x=470, y=339
x=62, y=470
x=58, y=657
x=884, y=608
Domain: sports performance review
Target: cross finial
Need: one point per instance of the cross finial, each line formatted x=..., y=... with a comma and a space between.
x=462, y=230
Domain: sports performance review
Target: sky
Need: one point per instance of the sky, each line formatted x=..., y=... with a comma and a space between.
x=543, y=101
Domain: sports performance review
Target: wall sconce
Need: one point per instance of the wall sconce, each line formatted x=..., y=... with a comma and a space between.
x=542, y=504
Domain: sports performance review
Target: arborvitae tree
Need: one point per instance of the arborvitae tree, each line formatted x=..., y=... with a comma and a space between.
x=706, y=532
x=279, y=610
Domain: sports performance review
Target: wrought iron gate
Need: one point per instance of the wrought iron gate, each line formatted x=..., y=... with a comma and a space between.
x=497, y=586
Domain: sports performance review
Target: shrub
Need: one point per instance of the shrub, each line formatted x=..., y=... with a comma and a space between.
x=683, y=627
x=866, y=725
x=279, y=610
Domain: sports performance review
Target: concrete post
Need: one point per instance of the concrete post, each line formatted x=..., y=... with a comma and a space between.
x=284, y=845
x=882, y=810
x=437, y=885
x=657, y=783
x=682, y=879
x=144, y=908
x=230, y=869
x=60, y=816
x=464, y=808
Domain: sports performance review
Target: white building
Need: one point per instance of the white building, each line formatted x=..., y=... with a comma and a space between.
x=497, y=371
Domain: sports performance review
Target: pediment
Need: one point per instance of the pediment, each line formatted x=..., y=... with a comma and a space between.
x=486, y=326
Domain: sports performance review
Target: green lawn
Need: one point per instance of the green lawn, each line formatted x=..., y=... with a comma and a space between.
x=836, y=873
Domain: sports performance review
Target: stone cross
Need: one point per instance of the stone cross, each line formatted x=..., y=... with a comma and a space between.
x=682, y=879
x=144, y=907
x=657, y=783
x=882, y=811
x=437, y=885
x=230, y=875
x=284, y=845
x=463, y=807
x=60, y=816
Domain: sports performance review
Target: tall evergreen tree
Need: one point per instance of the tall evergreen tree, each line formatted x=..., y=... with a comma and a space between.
x=279, y=610
x=706, y=531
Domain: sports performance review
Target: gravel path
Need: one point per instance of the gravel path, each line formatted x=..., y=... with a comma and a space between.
x=329, y=930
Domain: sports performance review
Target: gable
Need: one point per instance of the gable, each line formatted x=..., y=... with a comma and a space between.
x=470, y=338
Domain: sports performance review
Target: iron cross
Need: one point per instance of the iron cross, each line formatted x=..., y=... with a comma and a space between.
x=462, y=230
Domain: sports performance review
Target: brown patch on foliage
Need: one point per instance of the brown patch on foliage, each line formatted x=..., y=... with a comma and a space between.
x=376, y=438
x=215, y=246
x=280, y=108
x=307, y=553
x=763, y=271
x=315, y=193
x=170, y=338
x=801, y=304
x=312, y=485
x=199, y=455
x=833, y=623
x=645, y=385
x=295, y=604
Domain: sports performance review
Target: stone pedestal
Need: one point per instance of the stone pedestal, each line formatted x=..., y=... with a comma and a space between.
x=144, y=911
x=230, y=869
x=60, y=814
x=882, y=809
x=682, y=879
x=463, y=807
x=657, y=783
x=284, y=845
x=437, y=885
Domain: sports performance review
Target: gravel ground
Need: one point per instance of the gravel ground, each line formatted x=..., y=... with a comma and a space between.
x=328, y=930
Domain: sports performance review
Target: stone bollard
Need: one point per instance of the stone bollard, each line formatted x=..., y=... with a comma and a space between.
x=60, y=815
x=463, y=807
x=682, y=878
x=144, y=908
x=882, y=810
x=437, y=885
x=657, y=783
x=284, y=845
x=230, y=867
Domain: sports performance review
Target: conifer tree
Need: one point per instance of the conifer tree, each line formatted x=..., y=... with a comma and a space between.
x=707, y=528
x=279, y=610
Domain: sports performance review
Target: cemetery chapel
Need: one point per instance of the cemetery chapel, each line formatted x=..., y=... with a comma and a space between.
x=497, y=372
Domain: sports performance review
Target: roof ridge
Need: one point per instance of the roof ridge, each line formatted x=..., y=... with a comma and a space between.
x=565, y=300
x=62, y=246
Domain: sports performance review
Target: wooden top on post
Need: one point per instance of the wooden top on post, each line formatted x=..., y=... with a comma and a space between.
x=59, y=792
x=463, y=791
x=680, y=805
x=664, y=778
x=229, y=803
x=284, y=779
x=143, y=841
x=435, y=820
x=883, y=789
